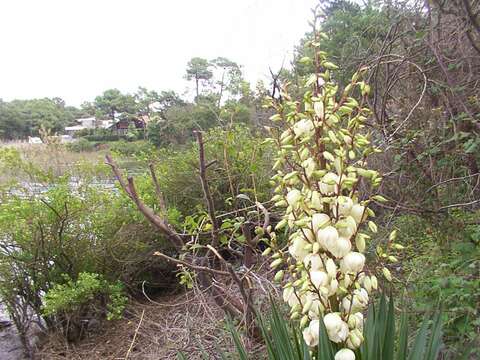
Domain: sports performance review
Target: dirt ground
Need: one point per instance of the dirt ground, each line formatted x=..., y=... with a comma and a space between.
x=151, y=331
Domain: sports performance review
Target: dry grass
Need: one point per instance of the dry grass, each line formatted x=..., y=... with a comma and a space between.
x=153, y=330
x=184, y=323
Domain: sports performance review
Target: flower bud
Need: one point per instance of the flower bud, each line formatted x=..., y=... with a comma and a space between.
x=276, y=263
x=279, y=276
x=387, y=274
x=304, y=321
x=329, y=183
x=267, y=251
x=360, y=243
x=393, y=235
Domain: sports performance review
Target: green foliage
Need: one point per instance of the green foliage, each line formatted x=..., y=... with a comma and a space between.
x=382, y=341
x=22, y=118
x=198, y=70
x=79, y=296
x=130, y=148
x=81, y=145
x=239, y=157
x=71, y=226
x=112, y=101
x=443, y=267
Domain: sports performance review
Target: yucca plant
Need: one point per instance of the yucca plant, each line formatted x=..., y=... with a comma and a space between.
x=382, y=339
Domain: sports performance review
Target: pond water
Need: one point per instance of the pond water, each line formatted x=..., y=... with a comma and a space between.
x=10, y=345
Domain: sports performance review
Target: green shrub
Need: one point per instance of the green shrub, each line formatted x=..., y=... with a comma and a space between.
x=102, y=137
x=74, y=298
x=81, y=145
x=442, y=264
x=133, y=148
x=65, y=232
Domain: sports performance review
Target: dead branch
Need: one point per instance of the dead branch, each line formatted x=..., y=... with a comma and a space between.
x=159, y=222
x=206, y=189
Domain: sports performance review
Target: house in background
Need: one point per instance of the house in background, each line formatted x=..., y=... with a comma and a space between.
x=87, y=123
x=120, y=127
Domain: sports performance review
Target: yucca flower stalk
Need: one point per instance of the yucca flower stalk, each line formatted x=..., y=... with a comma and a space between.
x=321, y=164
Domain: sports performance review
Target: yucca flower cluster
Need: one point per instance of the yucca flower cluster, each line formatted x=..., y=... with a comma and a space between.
x=320, y=167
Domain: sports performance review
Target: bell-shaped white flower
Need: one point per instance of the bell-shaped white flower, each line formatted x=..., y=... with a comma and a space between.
x=327, y=236
x=316, y=308
x=333, y=287
x=311, y=333
x=342, y=206
x=319, y=278
x=293, y=197
x=329, y=183
x=353, y=262
x=355, y=339
x=367, y=284
x=303, y=128
x=340, y=248
x=346, y=227
x=337, y=329
x=356, y=212
x=309, y=166
x=319, y=220
x=313, y=262
x=360, y=301
x=345, y=354
x=297, y=248
x=355, y=321
x=331, y=268
x=289, y=297
x=316, y=201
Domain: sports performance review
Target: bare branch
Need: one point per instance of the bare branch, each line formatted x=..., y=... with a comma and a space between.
x=206, y=189
x=159, y=222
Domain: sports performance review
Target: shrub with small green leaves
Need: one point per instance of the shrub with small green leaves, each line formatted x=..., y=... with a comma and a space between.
x=78, y=297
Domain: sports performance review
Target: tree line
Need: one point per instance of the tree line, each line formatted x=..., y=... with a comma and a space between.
x=221, y=95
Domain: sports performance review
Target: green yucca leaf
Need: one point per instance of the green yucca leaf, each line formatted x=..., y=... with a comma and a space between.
x=284, y=341
x=325, y=347
x=420, y=342
x=403, y=338
x=389, y=337
x=434, y=345
x=242, y=353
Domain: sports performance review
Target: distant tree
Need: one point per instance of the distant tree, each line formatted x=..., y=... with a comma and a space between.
x=112, y=101
x=230, y=77
x=166, y=100
x=146, y=100
x=198, y=69
x=22, y=118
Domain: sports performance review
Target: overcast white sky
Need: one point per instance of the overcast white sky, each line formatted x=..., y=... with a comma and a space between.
x=76, y=49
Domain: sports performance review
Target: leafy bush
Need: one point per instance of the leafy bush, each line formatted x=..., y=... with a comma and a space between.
x=127, y=148
x=240, y=165
x=102, y=137
x=66, y=229
x=443, y=265
x=81, y=145
x=88, y=296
